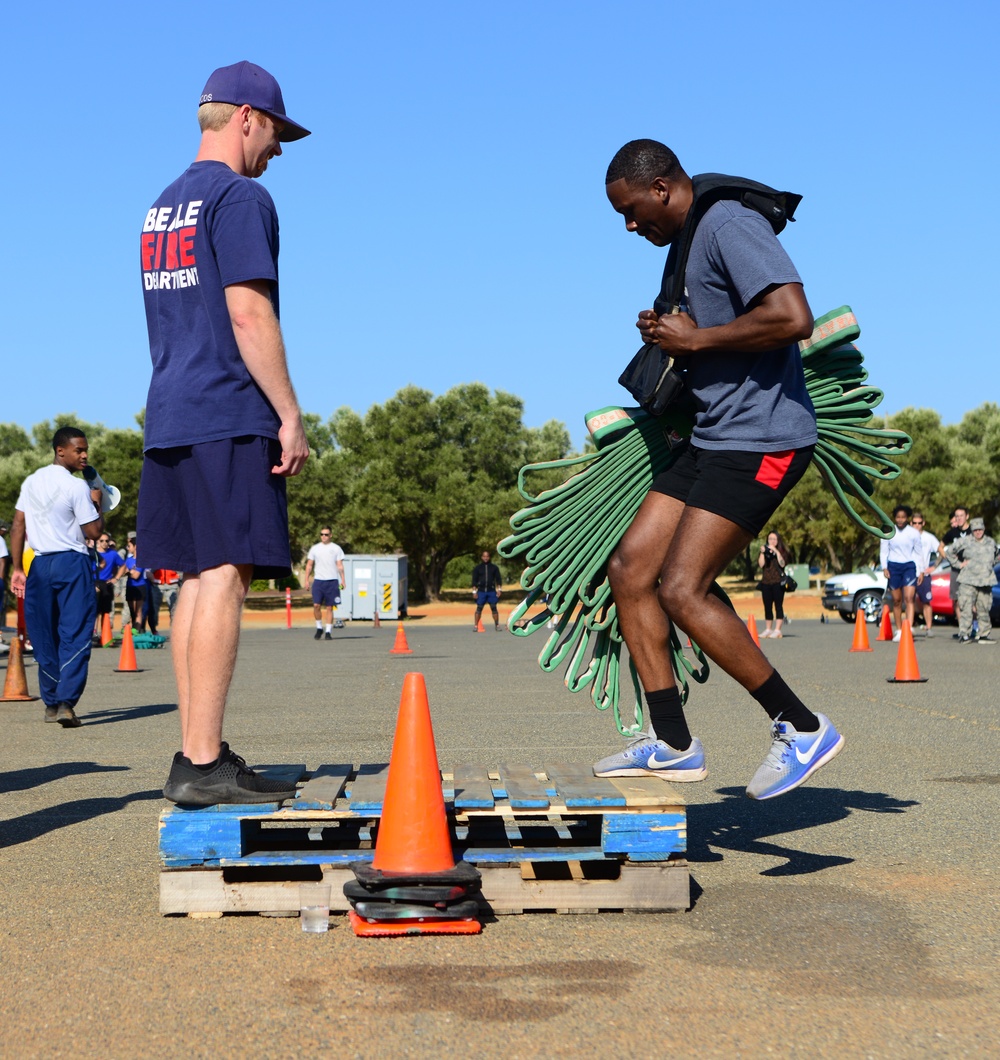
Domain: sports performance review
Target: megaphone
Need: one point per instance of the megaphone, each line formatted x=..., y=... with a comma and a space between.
x=110, y=495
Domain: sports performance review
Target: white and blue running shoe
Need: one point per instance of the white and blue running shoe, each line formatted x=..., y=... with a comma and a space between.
x=646, y=756
x=794, y=757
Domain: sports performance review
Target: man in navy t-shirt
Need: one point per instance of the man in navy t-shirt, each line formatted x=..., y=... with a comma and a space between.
x=223, y=427
x=737, y=337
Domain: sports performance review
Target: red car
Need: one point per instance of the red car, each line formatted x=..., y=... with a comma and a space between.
x=942, y=604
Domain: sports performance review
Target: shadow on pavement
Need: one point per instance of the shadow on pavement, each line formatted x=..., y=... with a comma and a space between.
x=739, y=823
x=40, y=822
x=106, y=717
x=22, y=779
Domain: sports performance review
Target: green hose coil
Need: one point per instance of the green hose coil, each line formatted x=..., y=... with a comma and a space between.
x=566, y=534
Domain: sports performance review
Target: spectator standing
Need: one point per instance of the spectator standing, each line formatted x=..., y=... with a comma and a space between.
x=109, y=568
x=164, y=585
x=135, y=588
x=57, y=513
x=486, y=588
x=772, y=560
x=959, y=528
x=326, y=560
x=223, y=427
x=929, y=545
x=974, y=556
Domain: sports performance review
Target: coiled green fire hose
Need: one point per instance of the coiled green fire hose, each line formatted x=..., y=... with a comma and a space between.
x=566, y=534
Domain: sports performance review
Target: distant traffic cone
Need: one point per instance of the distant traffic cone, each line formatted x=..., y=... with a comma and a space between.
x=885, y=632
x=126, y=660
x=479, y=627
x=107, y=636
x=377, y=621
x=400, y=647
x=861, y=632
x=15, y=686
x=413, y=885
x=906, y=659
x=752, y=629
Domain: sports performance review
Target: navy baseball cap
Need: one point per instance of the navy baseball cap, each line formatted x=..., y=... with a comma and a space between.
x=245, y=83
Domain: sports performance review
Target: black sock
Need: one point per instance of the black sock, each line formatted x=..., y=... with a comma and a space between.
x=666, y=716
x=778, y=699
x=206, y=768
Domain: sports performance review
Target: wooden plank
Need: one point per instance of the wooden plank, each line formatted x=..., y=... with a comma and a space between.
x=640, y=888
x=323, y=789
x=647, y=791
x=367, y=790
x=577, y=785
x=524, y=791
x=644, y=836
x=473, y=787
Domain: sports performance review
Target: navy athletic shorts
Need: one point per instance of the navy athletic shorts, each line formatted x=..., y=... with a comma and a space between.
x=326, y=593
x=214, y=503
x=902, y=575
x=924, y=590
x=744, y=488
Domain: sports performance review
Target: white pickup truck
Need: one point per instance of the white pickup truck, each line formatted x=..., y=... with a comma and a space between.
x=847, y=593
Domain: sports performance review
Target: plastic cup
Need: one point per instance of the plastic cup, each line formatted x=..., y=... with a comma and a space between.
x=314, y=906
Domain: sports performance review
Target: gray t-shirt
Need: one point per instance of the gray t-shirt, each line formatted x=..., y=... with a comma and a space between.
x=749, y=402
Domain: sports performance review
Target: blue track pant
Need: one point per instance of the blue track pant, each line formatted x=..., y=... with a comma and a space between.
x=60, y=607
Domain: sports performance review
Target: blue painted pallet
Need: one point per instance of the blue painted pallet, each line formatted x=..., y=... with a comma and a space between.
x=513, y=815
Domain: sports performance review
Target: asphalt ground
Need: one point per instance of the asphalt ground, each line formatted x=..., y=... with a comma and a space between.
x=856, y=916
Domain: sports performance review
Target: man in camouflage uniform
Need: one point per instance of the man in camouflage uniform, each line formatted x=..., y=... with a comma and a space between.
x=974, y=557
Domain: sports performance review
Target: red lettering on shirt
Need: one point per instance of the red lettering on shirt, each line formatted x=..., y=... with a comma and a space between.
x=773, y=468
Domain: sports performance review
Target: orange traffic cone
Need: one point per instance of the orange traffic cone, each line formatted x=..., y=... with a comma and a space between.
x=15, y=686
x=906, y=660
x=126, y=660
x=861, y=633
x=107, y=636
x=885, y=632
x=400, y=647
x=479, y=627
x=413, y=879
x=752, y=628
x=377, y=620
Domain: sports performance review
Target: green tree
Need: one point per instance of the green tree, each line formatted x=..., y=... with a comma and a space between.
x=436, y=477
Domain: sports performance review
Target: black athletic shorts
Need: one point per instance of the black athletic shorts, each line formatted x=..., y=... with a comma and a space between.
x=744, y=488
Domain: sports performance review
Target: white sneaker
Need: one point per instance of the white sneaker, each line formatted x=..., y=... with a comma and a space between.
x=897, y=635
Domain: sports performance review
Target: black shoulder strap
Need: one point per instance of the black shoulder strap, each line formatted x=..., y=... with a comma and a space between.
x=778, y=207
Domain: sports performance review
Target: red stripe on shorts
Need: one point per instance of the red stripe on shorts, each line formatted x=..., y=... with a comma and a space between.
x=773, y=468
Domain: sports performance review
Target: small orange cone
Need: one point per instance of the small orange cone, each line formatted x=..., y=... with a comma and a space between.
x=400, y=647
x=126, y=660
x=413, y=844
x=377, y=620
x=885, y=632
x=752, y=629
x=479, y=627
x=906, y=660
x=15, y=686
x=106, y=634
x=861, y=633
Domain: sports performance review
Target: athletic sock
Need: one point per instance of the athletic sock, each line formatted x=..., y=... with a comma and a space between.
x=666, y=716
x=329, y=629
x=778, y=699
x=319, y=625
x=207, y=768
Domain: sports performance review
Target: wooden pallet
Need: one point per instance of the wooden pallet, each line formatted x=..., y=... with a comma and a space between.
x=555, y=838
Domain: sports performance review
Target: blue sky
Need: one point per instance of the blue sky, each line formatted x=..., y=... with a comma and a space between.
x=446, y=222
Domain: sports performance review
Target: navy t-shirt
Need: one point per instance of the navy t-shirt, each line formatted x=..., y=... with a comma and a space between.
x=209, y=229
x=749, y=402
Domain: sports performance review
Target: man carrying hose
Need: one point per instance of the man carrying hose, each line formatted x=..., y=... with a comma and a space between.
x=755, y=429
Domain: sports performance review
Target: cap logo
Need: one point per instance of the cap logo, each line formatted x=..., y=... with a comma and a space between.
x=207, y=98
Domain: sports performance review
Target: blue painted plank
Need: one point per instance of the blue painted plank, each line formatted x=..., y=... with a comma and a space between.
x=522, y=787
x=473, y=789
x=323, y=788
x=576, y=786
x=646, y=836
x=367, y=790
x=501, y=856
x=196, y=836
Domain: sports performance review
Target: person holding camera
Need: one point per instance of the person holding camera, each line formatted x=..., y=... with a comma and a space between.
x=771, y=560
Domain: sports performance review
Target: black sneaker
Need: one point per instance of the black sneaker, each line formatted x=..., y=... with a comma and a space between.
x=966, y=640
x=317, y=634
x=232, y=780
x=327, y=636
x=66, y=718
x=50, y=713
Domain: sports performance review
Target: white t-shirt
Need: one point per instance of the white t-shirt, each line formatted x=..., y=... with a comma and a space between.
x=3, y=549
x=325, y=559
x=55, y=505
x=930, y=545
x=905, y=546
